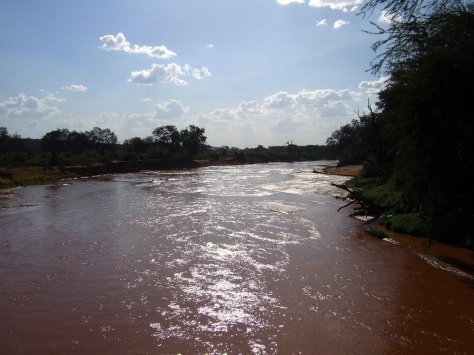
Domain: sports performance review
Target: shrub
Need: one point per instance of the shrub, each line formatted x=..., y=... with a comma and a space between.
x=129, y=156
x=377, y=233
x=409, y=223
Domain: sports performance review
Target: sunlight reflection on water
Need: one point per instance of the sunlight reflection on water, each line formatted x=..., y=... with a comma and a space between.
x=244, y=259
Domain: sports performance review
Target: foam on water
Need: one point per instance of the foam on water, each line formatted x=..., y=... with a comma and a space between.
x=437, y=263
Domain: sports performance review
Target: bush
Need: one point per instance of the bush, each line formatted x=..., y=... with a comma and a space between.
x=18, y=159
x=377, y=233
x=384, y=196
x=129, y=156
x=408, y=223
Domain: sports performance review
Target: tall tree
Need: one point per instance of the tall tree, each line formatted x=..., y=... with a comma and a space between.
x=104, y=140
x=193, y=139
x=167, y=138
x=54, y=142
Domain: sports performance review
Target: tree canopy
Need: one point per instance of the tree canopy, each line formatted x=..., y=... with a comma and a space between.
x=420, y=137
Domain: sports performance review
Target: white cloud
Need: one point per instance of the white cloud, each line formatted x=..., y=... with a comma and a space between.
x=170, y=73
x=210, y=45
x=169, y=109
x=310, y=115
x=340, y=23
x=374, y=86
x=24, y=106
x=287, y=2
x=280, y=100
x=323, y=22
x=145, y=99
x=75, y=88
x=202, y=73
x=342, y=5
x=388, y=18
x=119, y=43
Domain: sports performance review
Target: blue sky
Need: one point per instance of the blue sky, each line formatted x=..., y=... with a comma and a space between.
x=249, y=71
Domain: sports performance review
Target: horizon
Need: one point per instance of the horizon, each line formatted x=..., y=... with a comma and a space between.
x=297, y=75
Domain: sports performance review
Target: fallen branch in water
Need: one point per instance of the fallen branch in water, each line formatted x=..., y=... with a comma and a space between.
x=366, y=206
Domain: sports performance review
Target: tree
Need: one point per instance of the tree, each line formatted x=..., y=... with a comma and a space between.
x=54, y=142
x=424, y=125
x=3, y=138
x=345, y=141
x=407, y=35
x=136, y=145
x=103, y=139
x=167, y=138
x=78, y=142
x=433, y=120
x=193, y=139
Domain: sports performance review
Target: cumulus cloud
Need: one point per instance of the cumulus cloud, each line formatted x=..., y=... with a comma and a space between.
x=202, y=73
x=388, y=18
x=284, y=105
x=169, y=109
x=323, y=22
x=310, y=115
x=279, y=100
x=287, y=2
x=374, y=86
x=24, y=106
x=339, y=23
x=170, y=73
x=120, y=43
x=75, y=88
x=342, y=5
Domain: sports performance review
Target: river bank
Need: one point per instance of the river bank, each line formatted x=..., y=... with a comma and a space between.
x=438, y=254
x=347, y=170
x=37, y=175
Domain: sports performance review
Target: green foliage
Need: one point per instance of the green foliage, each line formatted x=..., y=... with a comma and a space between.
x=409, y=223
x=128, y=156
x=192, y=139
x=377, y=233
x=104, y=140
x=419, y=142
x=384, y=196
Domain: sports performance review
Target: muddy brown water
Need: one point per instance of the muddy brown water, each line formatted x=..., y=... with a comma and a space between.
x=227, y=259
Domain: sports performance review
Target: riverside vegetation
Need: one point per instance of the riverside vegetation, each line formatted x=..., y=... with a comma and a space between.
x=416, y=143
x=62, y=153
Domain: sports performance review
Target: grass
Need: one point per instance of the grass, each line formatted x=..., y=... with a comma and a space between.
x=23, y=176
x=408, y=223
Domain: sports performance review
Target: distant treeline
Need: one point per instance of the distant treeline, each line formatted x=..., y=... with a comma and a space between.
x=62, y=147
x=417, y=143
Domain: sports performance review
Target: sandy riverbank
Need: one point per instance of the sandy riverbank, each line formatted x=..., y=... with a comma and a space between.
x=347, y=170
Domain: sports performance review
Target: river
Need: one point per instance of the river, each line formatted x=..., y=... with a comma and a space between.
x=226, y=259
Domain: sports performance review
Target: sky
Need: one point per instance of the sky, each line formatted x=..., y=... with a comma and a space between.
x=251, y=72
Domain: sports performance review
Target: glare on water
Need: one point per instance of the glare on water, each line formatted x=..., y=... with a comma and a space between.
x=235, y=259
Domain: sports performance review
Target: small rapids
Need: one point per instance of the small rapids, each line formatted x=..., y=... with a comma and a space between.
x=227, y=259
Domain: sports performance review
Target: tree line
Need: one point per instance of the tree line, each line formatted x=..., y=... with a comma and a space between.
x=62, y=147
x=99, y=145
x=416, y=141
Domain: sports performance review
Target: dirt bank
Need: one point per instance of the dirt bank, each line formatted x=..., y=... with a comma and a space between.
x=347, y=170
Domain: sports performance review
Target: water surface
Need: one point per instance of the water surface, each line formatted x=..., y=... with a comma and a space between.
x=236, y=259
